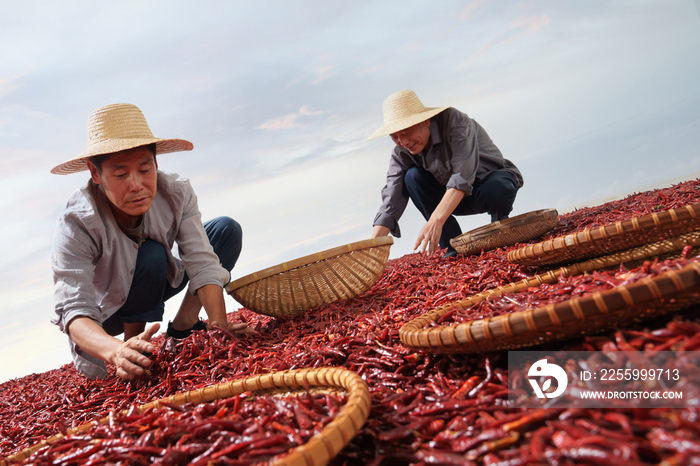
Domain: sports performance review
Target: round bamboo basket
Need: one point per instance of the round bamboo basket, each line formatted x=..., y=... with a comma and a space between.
x=318, y=451
x=645, y=299
x=292, y=287
x=506, y=232
x=609, y=238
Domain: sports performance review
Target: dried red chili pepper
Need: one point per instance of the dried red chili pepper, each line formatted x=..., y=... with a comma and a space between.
x=362, y=334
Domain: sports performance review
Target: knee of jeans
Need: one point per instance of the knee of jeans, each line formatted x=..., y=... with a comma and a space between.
x=233, y=231
x=507, y=194
x=152, y=260
x=229, y=243
x=500, y=194
x=411, y=176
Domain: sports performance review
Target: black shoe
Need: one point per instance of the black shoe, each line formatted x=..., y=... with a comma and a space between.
x=451, y=252
x=180, y=334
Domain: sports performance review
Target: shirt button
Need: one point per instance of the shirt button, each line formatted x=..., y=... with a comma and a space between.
x=131, y=271
x=123, y=300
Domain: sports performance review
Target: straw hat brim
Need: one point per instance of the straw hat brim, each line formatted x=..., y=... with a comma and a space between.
x=406, y=122
x=79, y=163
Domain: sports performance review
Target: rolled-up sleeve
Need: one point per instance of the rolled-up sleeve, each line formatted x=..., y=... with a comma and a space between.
x=73, y=273
x=201, y=262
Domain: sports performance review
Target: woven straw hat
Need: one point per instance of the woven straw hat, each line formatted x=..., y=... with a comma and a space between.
x=115, y=128
x=403, y=110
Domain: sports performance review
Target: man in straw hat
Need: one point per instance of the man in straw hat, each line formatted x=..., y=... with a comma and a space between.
x=112, y=257
x=447, y=165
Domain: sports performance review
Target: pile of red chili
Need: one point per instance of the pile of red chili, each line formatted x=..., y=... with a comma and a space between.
x=241, y=430
x=567, y=287
x=426, y=408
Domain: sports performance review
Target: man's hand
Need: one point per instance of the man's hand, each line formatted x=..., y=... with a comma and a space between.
x=125, y=355
x=128, y=357
x=429, y=236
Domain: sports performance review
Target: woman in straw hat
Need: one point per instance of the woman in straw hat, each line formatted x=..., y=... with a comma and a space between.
x=112, y=258
x=447, y=165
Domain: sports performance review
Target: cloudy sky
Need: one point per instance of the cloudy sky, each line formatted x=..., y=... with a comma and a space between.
x=591, y=100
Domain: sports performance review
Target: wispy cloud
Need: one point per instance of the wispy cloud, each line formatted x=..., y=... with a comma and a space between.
x=317, y=74
x=519, y=28
x=322, y=72
x=527, y=26
x=23, y=160
x=291, y=120
x=8, y=84
x=472, y=10
x=469, y=12
x=371, y=70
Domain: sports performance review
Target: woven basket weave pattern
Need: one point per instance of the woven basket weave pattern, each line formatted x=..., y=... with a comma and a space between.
x=324, y=278
x=667, y=293
x=609, y=238
x=318, y=451
x=506, y=232
x=544, y=324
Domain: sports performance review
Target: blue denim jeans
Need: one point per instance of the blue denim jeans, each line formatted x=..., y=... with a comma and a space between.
x=150, y=288
x=493, y=195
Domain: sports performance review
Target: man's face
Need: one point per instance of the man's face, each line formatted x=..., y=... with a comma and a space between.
x=414, y=138
x=129, y=181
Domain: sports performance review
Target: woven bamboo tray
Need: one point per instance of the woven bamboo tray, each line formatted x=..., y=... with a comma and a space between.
x=666, y=293
x=318, y=451
x=609, y=238
x=506, y=232
x=292, y=287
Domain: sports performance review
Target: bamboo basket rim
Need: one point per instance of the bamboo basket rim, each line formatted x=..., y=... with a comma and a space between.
x=506, y=232
x=610, y=237
x=501, y=225
x=306, y=260
x=447, y=338
x=318, y=450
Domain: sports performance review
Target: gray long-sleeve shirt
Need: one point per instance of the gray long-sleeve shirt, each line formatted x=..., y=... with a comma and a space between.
x=461, y=152
x=93, y=261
